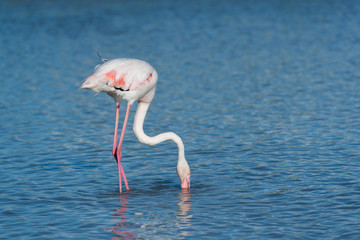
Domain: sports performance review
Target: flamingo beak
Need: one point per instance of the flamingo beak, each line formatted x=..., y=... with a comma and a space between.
x=186, y=182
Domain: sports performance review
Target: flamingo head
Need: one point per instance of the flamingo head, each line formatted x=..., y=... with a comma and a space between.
x=186, y=182
x=183, y=171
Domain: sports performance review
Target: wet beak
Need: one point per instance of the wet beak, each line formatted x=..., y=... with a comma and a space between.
x=186, y=182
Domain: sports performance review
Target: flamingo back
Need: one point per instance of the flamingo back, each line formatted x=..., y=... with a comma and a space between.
x=123, y=78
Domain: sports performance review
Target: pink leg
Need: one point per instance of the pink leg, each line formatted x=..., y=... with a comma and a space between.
x=116, y=131
x=118, y=149
x=115, y=152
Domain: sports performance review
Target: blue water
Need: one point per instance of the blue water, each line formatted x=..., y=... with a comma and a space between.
x=265, y=95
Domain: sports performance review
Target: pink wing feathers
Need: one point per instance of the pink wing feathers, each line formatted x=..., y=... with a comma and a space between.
x=128, y=76
x=123, y=74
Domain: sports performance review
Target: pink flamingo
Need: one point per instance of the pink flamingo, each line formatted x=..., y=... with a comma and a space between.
x=131, y=80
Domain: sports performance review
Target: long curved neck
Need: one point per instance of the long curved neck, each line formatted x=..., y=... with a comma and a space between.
x=143, y=138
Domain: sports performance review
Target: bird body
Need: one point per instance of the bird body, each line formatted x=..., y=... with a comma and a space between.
x=124, y=79
x=134, y=80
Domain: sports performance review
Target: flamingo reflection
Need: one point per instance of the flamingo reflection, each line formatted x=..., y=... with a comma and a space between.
x=184, y=218
x=121, y=229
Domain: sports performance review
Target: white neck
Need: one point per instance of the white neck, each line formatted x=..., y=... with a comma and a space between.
x=143, y=138
x=182, y=168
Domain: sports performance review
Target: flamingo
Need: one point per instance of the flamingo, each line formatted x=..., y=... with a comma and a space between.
x=133, y=80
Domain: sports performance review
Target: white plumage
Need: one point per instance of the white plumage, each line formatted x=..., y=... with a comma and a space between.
x=131, y=80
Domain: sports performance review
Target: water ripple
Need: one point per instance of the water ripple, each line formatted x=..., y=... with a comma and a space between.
x=264, y=95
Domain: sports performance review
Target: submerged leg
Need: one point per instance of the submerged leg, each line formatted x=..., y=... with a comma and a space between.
x=118, y=149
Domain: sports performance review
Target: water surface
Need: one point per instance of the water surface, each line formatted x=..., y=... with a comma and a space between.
x=264, y=94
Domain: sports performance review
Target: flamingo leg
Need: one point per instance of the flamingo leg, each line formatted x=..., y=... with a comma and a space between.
x=116, y=131
x=118, y=149
x=114, y=150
